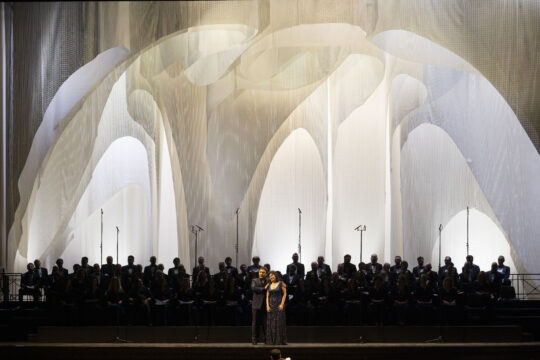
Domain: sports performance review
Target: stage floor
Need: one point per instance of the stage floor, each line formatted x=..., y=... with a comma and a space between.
x=297, y=351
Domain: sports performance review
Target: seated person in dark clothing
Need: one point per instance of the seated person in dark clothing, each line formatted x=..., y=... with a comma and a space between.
x=221, y=277
x=231, y=270
x=107, y=271
x=232, y=298
x=401, y=295
x=113, y=299
x=424, y=291
x=495, y=279
x=97, y=286
x=467, y=277
x=408, y=274
x=78, y=287
x=56, y=288
x=253, y=269
x=433, y=278
x=348, y=268
x=137, y=300
x=29, y=285
x=448, y=298
x=377, y=299
x=149, y=271
x=200, y=267
x=503, y=270
x=208, y=302
x=480, y=293
x=374, y=268
x=40, y=273
x=63, y=272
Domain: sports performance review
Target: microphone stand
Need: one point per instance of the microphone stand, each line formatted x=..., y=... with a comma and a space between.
x=467, y=231
x=236, y=246
x=440, y=231
x=360, y=228
x=195, y=229
x=101, y=245
x=118, y=338
x=117, y=232
x=300, y=234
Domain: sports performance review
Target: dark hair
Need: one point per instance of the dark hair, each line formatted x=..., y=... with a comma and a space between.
x=275, y=354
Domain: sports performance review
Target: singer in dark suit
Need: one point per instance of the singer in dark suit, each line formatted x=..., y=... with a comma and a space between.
x=299, y=267
x=258, y=306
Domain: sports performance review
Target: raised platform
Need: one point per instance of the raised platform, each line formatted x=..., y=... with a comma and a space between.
x=295, y=334
x=134, y=351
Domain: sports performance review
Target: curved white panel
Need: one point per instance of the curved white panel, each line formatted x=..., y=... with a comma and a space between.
x=67, y=96
x=127, y=209
x=295, y=180
x=124, y=162
x=359, y=181
x=168, y=227
x=486, y=241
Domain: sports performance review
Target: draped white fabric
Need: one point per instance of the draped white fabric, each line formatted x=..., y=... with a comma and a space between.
x=357, y=112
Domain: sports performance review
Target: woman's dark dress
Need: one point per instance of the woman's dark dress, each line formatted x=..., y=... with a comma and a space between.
x=276, y=328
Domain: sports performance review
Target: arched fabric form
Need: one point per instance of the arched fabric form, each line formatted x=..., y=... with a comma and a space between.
x=486, y=241
x=394, y=98
x=295, y=180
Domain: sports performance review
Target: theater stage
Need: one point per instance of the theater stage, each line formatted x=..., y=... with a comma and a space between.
x=297, y=351
x=388, y=342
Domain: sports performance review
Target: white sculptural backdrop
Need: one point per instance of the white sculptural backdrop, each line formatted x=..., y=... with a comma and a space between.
x=333, y=115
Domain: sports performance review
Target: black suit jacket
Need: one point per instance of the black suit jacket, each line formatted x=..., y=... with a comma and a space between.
x=64, y=273
x=40, y=276
x=300, y=269
x=373, y=269
x=259, y=293
x=196, y=271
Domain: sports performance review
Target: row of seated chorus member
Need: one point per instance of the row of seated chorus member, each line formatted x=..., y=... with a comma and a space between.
x=38, y=276
x=309, y=300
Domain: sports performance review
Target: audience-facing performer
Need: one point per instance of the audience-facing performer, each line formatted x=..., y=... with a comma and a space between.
x=276, y=326
x=149, y=272
x=63, y=272
x=395, y=270
x=258, y=306
x=29, y=284
x=323, y=270
x=200, y=267
x=374, y=267
x=85, y=266
x=128, y=271
x=40, y=273
x=474, y=268
x=253, y=269
x=231, y=270
x=503, y=270
x=300, y=269
x=349, y=269
x=419, y=269
x=173, y=272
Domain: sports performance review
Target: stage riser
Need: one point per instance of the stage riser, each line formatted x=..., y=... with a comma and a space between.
x=308, y=334
x=165, y=352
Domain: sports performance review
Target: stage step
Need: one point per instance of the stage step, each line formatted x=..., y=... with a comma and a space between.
x=295, y=334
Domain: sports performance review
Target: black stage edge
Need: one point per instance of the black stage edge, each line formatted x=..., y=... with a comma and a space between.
x=295, y=334
x=134, y=351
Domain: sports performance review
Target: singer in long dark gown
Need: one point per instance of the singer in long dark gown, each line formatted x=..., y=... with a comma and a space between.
x=276, y=325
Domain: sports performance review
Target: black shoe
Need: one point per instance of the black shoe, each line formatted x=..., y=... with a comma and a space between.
x=254, y=342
